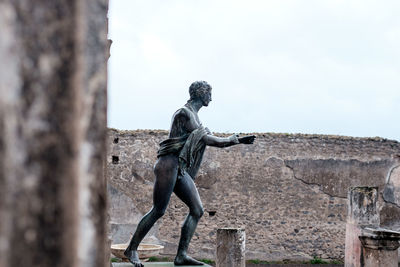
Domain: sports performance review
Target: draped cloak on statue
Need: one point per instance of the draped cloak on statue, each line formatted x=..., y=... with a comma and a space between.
x=189, y=147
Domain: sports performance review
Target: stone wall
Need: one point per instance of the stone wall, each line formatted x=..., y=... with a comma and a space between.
x=288, y=191
x=53, y=100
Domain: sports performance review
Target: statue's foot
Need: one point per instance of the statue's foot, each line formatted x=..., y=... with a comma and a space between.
x=186, y=260
x=133, y=257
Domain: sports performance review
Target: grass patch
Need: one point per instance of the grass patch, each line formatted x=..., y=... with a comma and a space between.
x=317, y=260
x=115, y=260
x=207, y=261
x=153, y=259
x=336, y=262
x=157, y=259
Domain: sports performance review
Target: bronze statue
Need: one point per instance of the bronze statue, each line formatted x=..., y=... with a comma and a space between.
x=179, y=159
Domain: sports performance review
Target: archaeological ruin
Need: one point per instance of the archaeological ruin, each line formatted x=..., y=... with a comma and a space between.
x=69, y=186
x=288, y=192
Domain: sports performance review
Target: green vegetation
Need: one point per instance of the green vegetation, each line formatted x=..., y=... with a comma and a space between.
x=157, y=259
x=335, y=262
x=152, y=259
x=115, y=260
x=207, y=261
x=317, y=260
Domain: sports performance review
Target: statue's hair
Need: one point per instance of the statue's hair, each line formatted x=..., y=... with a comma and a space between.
x=198, y=88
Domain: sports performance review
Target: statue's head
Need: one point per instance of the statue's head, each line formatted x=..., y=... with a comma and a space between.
x=200, y=90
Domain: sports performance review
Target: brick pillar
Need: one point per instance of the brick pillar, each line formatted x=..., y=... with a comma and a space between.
x=53, y=101
x=231, y=247
x=361, y=212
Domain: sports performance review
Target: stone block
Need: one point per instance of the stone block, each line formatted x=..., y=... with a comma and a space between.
x=231, y=247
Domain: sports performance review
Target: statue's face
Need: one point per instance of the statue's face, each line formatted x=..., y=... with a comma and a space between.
x=206, y=97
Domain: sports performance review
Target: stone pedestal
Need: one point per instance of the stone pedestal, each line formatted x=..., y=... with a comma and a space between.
x=231, y=247
x=362, y=212
x=379, y=247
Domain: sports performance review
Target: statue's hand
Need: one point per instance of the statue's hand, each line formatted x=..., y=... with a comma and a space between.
x=248, y=139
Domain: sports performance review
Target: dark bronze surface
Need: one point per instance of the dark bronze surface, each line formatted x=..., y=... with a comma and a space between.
x=170, y=177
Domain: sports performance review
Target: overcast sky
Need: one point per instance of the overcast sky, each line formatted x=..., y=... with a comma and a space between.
x=325, y=67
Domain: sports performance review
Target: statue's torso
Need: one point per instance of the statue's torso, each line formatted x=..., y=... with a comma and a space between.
x=184, y=121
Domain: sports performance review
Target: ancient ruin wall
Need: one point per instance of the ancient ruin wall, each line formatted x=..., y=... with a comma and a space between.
x=287, y=191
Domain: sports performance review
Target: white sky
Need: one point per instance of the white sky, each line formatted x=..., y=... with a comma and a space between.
x=325, y=67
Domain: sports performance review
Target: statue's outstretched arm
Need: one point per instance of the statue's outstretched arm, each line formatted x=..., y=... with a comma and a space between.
x=212, y=140
x=190, y=124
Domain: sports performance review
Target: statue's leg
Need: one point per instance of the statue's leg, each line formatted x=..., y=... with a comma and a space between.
x=186, y=190
x=166, y=170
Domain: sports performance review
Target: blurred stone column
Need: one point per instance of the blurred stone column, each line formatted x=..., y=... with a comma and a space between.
x=361, y=212
x=53, y=102
x=231, y=247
